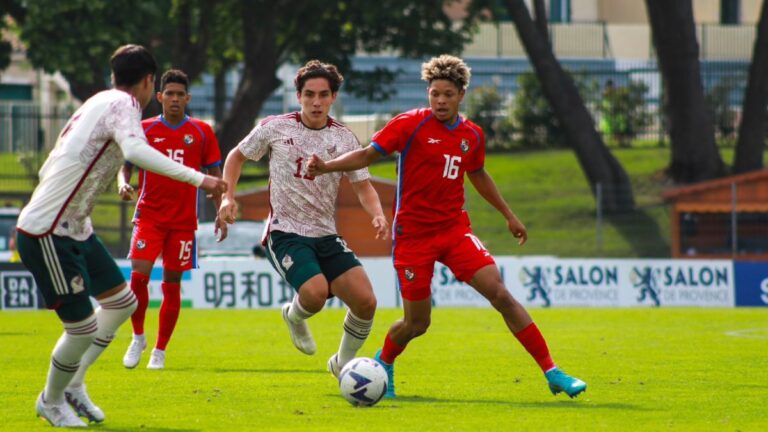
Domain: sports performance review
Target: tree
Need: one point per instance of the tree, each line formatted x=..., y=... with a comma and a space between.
x=597, y=162
x=751, y=143
x=279, y=32
x=695, y=156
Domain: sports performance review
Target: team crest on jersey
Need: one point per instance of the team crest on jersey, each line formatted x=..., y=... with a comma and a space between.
x=464, y=146
x=332, y=150
x=140, y=244
x=409, y=274
x=189, y=139
x=77, y=284
x=287, y=262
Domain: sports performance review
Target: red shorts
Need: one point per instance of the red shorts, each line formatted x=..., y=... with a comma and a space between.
x=179, y=247
x=415, y=257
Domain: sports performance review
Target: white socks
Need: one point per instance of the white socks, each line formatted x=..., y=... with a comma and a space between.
x=356, y=331
x=66, y=356
x=112, y=312
x=297, y=313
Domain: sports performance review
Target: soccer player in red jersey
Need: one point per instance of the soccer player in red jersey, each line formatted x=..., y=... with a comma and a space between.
x=437, y=149
x=165, y=219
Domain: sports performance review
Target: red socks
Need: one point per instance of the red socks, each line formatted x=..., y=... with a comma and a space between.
x=169, y=313
x=139, y=284
x=531, y=338
x=391, y=350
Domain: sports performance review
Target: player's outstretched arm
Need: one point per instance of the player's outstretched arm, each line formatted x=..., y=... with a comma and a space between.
x=487, y=189
x=233, y=166
x=351, y=161
x=221, y=229
x=369, y=199
x=124, y=188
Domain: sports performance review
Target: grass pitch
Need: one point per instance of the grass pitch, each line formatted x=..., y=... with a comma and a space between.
x=647, y=369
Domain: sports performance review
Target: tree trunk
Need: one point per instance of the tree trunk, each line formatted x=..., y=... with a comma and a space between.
x=191, y=39
x=751, y=144
x=599, y=165
x=258, y=80
x=540, y=11
x=695, y=156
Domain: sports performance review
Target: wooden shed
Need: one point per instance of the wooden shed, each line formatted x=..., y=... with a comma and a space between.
x=352, y=222
x=722, y=218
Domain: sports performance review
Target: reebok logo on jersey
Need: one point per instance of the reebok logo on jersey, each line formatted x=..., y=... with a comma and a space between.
x=433, y=141
x=158, y=140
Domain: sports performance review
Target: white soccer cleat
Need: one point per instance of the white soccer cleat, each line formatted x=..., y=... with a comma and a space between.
x=78, y=399
x=300, y=335
x=58, y=415
x=333, y=365
x=157, y=359
x=132, y=357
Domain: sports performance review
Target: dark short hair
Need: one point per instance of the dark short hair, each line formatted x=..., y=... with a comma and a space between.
x=317, y=69
x=131, y=63
x=174, y=76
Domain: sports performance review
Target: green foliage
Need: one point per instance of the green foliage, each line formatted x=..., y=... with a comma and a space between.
x=534, y=121
x=623, y=111
x=78, y=37
x=233, y=370
x=488, y=109
x=719, y=100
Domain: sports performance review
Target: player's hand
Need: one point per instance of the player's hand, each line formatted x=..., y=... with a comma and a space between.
x=382, y=227
x=316, y=166
x=126, y=192
x=214, y=185
x=220, y=230
x=228, y=210
x=517, y=229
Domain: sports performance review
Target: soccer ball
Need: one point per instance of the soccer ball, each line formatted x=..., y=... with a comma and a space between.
x=363, y=381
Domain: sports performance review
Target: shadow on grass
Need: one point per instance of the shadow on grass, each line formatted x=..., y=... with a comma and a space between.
x=561, y=404
x=268, y=371
x=105, y=428
x=641, y=231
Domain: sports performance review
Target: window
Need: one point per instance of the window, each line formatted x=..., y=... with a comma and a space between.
x=560, y=11
x=730, y=11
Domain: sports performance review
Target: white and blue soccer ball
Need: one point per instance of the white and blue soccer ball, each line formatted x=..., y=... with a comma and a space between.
x=363, y=381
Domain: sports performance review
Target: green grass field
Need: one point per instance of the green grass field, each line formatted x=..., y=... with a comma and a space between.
x=647, y=369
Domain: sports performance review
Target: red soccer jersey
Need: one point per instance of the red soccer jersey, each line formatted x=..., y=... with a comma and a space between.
x=431, y=166
x=163, y=201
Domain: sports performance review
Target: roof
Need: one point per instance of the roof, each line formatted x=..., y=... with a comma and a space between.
x=716, y=196
x=720, y=183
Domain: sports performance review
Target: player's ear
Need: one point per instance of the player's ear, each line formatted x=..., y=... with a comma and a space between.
x=159, y=96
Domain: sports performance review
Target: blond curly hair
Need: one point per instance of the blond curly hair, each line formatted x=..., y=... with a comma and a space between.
x=446, y=67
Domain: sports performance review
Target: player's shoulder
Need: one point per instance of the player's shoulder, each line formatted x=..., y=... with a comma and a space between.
x=281, y=120
x=147, y=122
x=113, y=98
x=340, y=128
x=474, y=127
x=414, y=115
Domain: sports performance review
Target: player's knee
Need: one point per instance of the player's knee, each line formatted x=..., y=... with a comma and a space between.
x=365, y=307
x=418, y=327
x=313, y=298
x=501, y=299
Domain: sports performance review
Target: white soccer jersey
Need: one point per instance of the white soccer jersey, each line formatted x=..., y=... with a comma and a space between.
x=301, y=204
x=87, y=156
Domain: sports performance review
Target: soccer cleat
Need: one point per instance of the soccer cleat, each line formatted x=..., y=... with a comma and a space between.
x=559, y=381
x=333, y=365
x=58, y=415
x=300, y=335
x=156, y=359
x=390, y=368
x=78, y=399
x=132, y=357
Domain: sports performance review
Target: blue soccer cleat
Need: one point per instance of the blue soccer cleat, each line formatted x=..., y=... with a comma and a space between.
x=390, y=368
x=559, y=381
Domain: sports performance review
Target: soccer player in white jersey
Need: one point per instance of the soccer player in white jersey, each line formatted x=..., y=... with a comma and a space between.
x=301, y=239
x=55, y=237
